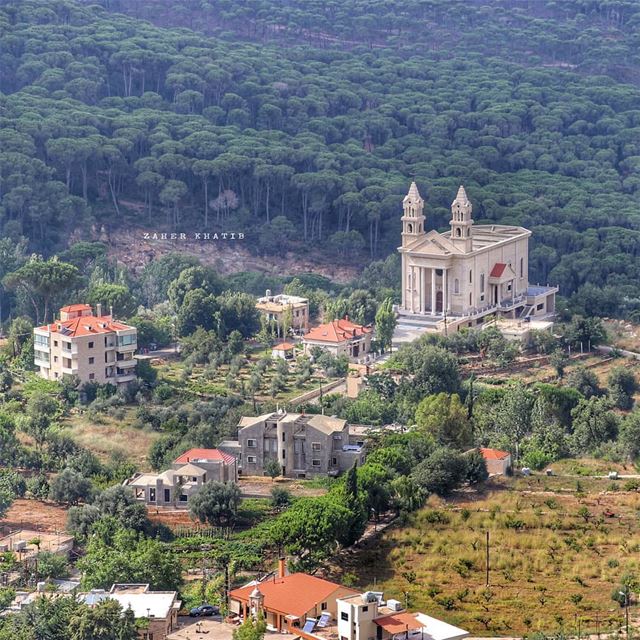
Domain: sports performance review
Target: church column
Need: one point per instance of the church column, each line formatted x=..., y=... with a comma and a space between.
x=445, y=290
x=421, y=285
x=412, y=287
x=404, y=284
x=433, y=292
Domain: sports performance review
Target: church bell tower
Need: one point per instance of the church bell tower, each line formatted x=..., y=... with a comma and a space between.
x=412, y=218
x=462, y=222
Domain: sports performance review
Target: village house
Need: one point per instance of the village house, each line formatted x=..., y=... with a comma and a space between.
x=303, y=445
x=284, y=351
x=456, y=279
x=287, y=312
x=498, y=462
x=95, y=348
x=287, y=601
x=341, y=337
x=315, y=609
x=159, y=608
x=188, y=473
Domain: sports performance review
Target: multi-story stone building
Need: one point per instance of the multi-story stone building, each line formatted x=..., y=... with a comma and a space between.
x=288, y=312
x=303, y=445
x=96, y=348
x=455, y=279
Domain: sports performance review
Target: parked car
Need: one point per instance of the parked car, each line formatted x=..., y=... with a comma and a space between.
x=204, y=610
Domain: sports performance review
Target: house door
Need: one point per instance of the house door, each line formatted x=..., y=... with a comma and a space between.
x=438, y=301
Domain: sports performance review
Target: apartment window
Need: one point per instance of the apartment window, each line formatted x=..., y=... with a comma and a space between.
x=66, y=346
x=92, y=360
x=334, y=461
x=251, y=459
x=91, y=345
x=315, y=446
x=344, y=616
x=251, y=443
x=315, y=463
x=42, y=340
x=92, y=376
x=55, y=343
x=125, y=341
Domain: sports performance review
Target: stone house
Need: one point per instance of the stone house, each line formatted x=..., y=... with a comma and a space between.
x=303, y=445
x=188, y=473
x=341, y=337
x=285, y=310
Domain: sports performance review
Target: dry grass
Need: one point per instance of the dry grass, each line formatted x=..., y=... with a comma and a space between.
x=548, y=564
x=112, y=436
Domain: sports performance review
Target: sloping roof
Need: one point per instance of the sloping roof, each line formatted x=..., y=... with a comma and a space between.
x=398, y=622
x=191, y=470
x=85, y=326
x=498, y=270
x=336, y=331
x=209, y=455
x=292, y=595
x=76, y=307
x=433, y=243
x=283, y=346
x=494, y=454
x=413, y=193
x=326, y=424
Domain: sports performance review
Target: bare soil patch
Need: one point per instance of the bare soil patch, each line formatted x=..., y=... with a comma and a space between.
x=36, y=515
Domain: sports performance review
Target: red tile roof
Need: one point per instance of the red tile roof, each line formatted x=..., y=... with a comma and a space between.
x=398, y=622
x=85, y=326
x=337, y=331
x=498, y=270
x=284, y=346
x=193, y=455
x=494, y=454
x=75, y=307
x=292, y=595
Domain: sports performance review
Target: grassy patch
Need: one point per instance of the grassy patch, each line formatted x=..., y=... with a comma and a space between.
x=553, y=547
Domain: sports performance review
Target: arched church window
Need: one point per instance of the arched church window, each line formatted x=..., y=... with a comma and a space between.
x=470, y=300
x=482, y=282
x=470, y=276
x=458, y=232
x=468, y=232
x=456, y=286
x=410, y=228
x=521, y=267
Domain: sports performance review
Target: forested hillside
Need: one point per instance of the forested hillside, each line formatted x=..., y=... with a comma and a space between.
x=312, y=138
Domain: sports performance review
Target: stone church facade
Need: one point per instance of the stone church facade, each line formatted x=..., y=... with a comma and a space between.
x=455, y=279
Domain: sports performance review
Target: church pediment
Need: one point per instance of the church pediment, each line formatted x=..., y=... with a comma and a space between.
x=433, y=244
x=501, y=273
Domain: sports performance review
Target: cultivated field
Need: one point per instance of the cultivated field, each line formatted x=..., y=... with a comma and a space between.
x=558, y=548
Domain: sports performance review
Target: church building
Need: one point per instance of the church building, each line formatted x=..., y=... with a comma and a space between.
x=455, y=279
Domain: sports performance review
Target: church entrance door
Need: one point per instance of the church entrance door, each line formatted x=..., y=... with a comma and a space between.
x=438, y=301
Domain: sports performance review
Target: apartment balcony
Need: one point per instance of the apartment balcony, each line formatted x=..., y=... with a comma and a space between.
x=126, y=348
x=121, y=378
x=126, y=364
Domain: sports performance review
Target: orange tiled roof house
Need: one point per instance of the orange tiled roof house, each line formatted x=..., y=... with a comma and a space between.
x=95, y=348
x=341, y=337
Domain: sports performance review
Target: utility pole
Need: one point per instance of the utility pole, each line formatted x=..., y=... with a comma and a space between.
x=487, y=560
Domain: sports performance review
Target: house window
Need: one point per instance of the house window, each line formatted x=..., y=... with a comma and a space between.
x=167, y=495
x=365, y=609
x=92, y=376
x=337, y=437
x=91, y=345
x=344, y=616
x=334, y=461
x=456, y=286
x=315, y=446
x=315, y=463
x=92, y=360
x=251, y=443
x=152, y=495
x=251, y=459
x=183, y=497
